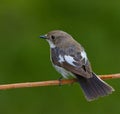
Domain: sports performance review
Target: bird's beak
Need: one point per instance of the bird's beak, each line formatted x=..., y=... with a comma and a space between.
x=43, y=36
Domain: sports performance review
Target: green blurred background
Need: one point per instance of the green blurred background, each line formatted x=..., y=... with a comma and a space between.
x=24, y=57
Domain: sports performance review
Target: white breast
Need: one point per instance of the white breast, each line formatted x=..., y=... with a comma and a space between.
x=51, y=44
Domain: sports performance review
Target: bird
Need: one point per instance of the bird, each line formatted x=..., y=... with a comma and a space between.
x=70, y=59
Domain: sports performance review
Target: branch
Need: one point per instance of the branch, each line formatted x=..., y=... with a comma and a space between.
x=50, y=83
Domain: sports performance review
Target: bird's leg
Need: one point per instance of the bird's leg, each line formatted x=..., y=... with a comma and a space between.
x=60, y=79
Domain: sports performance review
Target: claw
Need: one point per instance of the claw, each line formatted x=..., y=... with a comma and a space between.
x=60, y=80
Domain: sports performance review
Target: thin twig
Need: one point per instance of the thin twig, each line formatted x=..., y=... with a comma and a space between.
x=50, y=83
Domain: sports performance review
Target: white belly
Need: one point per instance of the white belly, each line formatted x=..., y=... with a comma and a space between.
x=63, y=72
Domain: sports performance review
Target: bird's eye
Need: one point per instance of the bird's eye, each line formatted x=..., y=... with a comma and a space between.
x=53, y=37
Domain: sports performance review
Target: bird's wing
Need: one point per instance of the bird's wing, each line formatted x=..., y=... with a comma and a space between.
x=76, y=63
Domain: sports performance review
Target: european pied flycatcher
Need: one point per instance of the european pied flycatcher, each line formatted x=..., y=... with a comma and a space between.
x=69, y=59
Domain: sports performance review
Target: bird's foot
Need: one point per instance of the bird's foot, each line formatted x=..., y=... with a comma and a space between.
x=60, y=80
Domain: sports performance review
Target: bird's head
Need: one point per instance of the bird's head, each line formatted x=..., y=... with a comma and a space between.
x=57, y=38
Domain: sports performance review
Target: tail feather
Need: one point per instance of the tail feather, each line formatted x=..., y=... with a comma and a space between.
x=94, y=87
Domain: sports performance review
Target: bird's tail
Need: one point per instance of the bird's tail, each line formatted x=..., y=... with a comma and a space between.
x=94, y=87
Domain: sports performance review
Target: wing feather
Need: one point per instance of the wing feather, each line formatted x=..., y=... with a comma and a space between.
x=72, y=62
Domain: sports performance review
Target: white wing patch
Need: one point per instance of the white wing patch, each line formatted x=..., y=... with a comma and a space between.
x=84, y=56
x=61, y=59
x=69, y=60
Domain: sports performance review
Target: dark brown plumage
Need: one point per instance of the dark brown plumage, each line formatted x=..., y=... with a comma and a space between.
x=69, y=58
